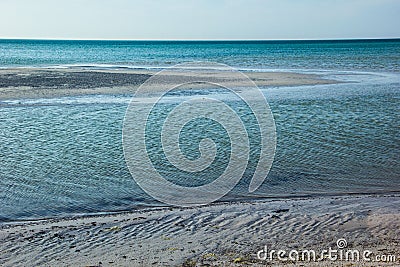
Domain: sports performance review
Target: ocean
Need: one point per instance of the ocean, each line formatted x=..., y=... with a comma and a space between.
x=64, y=156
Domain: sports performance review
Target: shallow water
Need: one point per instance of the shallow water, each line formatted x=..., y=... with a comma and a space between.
x=64, y=156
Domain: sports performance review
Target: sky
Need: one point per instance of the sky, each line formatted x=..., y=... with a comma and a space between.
x=199, y=19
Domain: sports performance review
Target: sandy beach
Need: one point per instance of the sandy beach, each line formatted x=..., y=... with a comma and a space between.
x=225, y=234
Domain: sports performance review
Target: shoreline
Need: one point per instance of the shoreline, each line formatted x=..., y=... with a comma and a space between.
x=34, y=83
x=149, y=208
x=228, y=234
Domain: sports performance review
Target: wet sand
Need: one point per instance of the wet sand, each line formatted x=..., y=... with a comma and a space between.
x=25, y=83
x=227, y=234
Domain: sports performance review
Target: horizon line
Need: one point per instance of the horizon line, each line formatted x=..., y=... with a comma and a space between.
x=185, y=40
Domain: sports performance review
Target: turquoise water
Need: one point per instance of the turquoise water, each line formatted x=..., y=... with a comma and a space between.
x=374, y=55
x=64, y=156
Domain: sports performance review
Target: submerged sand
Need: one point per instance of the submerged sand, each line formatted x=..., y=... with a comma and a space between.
x=29, y=83
x=228, y=234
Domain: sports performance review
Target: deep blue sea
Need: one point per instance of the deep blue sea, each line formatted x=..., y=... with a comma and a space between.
x=64, y=156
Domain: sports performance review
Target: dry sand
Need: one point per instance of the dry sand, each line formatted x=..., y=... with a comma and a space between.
x=227, y=234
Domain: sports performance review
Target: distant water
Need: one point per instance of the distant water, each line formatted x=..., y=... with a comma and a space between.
x=64, y=156
x=372, y=55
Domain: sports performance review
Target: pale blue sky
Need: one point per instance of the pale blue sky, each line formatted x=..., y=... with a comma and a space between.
x=199, y=19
